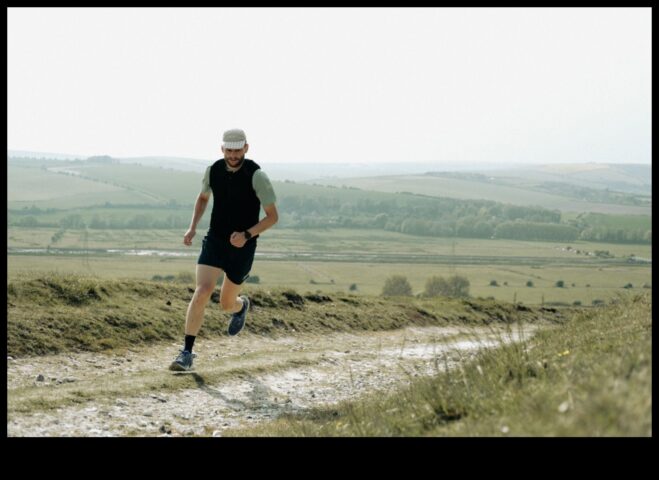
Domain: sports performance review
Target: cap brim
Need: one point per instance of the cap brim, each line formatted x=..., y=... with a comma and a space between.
x=234, y=145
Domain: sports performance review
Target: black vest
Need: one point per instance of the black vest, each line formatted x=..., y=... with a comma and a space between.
x=235, y=204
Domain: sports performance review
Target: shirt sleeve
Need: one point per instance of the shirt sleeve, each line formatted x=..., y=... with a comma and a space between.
x=206, y=182
x=263, y=188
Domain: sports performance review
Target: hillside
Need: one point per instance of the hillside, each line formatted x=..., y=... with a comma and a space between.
x=435, y=204
x=518, y=187
x=56, y=313
x=89, y=358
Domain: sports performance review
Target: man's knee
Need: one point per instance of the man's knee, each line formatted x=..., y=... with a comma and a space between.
x=203, y=292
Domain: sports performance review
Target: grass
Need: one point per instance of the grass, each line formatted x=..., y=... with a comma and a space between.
x=51, y=312
x=334, y=277
x=451, y=187
x=591, y=376
x=334, y=240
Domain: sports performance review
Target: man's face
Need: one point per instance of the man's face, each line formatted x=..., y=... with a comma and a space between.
x=235, y=156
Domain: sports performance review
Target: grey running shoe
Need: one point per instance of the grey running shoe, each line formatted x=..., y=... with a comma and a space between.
x=183, y=362
x=238, y=319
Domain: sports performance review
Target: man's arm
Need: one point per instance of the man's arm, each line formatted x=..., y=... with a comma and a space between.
x=271, y=217
x=199, y=209
x=238, y=239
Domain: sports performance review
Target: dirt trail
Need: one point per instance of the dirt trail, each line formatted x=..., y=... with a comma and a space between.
x=235, y=381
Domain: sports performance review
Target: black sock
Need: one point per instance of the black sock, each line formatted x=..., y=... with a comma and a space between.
x=189, y=341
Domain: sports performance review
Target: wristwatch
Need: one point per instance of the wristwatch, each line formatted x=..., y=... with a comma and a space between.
x=247, y=234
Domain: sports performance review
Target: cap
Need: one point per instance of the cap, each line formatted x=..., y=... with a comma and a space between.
x=234, y=139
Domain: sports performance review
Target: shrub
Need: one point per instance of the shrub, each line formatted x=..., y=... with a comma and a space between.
x=493, y=283
x=455, y=286
x=560, y=284
x=353, y=287
x=529, y=283
x=185, y=277
x=397, y=285
x=253, y=279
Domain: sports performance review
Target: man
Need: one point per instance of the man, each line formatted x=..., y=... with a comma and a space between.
x=239, y=188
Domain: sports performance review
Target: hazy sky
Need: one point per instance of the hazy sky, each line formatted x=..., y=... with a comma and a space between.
x=334, y=84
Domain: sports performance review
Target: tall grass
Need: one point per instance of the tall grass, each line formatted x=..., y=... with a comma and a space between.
x=591, y=376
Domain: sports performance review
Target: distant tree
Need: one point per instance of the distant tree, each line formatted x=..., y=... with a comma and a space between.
x=458, y=286
x=353, y=287
x=435, y=286
x=381, y=220
x=455, y=286
x=72, y=221
x=185, y=277
x=493, y=283
x=97, y=222
x=397, y=285
x=529, y=283
x=560, y=284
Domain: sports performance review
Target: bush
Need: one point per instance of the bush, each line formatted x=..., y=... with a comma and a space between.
x=253, y=279
x=576, y=303
x=458, y=286
x=629, y=285
x=493, y=283
x=560, y=284
x=397, y=285
x=455, y=286
x=185, y=277
x=435, y=286
x=529, y=283
x=597, y=301
x=353, y=287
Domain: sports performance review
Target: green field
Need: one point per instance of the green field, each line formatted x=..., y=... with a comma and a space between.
x=335, y=240
x=478, y=190
x=518, y=262
x=47, y=189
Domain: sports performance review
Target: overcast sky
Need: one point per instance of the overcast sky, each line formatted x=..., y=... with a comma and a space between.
x=334, y=85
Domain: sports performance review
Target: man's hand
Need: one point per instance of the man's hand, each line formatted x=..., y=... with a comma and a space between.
x=187, y=238
x=238, y=239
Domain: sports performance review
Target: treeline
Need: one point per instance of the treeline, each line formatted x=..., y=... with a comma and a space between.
x=409, y=214
x=443, y=217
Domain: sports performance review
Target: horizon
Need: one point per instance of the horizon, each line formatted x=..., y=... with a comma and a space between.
x=67, y=156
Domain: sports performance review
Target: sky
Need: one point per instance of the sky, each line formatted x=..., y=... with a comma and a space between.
x=334, y=85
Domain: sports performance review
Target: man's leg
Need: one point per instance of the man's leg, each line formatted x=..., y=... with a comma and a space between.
x=229, y=299
x=207, y=278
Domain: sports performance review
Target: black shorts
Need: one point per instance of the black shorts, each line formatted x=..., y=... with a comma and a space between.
x=236, y=262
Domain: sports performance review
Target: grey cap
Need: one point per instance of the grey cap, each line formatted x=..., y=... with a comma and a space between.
x=234, y=139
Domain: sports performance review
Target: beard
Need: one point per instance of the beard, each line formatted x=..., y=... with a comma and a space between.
x=235, y=163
